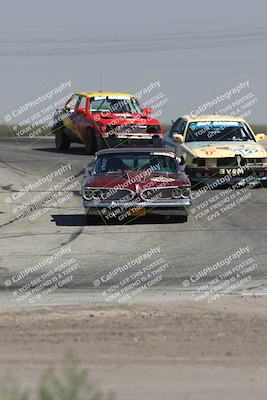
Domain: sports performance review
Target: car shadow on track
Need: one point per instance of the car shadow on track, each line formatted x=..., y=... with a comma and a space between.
x=73, y=150
x=80, y=220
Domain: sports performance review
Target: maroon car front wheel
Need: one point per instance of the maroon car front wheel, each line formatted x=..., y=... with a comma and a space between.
x=181, y=218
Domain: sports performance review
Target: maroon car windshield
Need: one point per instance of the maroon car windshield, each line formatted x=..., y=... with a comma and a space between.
x=119, y=162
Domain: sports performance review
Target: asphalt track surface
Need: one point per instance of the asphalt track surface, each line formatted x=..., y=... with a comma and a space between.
x=101, y=247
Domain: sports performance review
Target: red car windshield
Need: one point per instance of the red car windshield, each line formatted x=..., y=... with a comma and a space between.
x=114, y=163
x=110, y=104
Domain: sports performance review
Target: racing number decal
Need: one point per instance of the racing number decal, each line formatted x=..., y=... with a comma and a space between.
x=245, y=152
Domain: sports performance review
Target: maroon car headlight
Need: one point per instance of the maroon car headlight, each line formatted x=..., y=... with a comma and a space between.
x=97, y=194
x=87, y=193
x=181, y=193
x=186, y=193
x=176, y=193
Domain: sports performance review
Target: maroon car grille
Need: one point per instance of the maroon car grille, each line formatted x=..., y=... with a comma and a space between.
x=113, y=194
x=157, y=193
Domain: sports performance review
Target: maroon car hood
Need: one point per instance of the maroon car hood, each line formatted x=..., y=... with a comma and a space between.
x=137, y=180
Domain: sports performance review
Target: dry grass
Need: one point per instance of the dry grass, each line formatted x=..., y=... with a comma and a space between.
x=70, y=384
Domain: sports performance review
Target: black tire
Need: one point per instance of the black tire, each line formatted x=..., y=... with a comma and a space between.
x=181, y=218
x=61, y=140
x=90, y=147
x=91, y=219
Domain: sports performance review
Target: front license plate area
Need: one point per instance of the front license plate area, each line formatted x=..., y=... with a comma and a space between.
x=232, y=171
x=137, y=212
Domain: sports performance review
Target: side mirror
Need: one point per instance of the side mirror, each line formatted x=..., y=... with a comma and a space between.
x=87, y=171
x=177, y=137
x=147, y=111
x=81, y=110
x=182, y=160
x=68, y=108
x=260, y=137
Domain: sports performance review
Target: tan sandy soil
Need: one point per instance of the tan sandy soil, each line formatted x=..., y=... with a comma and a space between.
x=170, y=350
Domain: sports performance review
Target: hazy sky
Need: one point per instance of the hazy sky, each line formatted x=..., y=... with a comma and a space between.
x=196, y=49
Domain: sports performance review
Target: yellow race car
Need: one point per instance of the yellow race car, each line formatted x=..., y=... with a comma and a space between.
x=218, y=149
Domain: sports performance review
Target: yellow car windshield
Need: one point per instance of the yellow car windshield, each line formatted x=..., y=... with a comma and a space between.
x=218, y=131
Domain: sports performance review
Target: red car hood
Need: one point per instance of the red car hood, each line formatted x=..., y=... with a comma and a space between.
x=137, y=180
x=122, y=119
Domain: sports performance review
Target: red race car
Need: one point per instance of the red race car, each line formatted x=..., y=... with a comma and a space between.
x=132, y=182
x=100, y=120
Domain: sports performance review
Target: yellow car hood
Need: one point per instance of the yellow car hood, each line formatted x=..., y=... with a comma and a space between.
x=248, y=149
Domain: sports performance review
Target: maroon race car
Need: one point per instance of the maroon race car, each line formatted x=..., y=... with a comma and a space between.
x=132, y=182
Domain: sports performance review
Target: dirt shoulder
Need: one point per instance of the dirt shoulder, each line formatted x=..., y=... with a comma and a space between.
x=173, y=349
